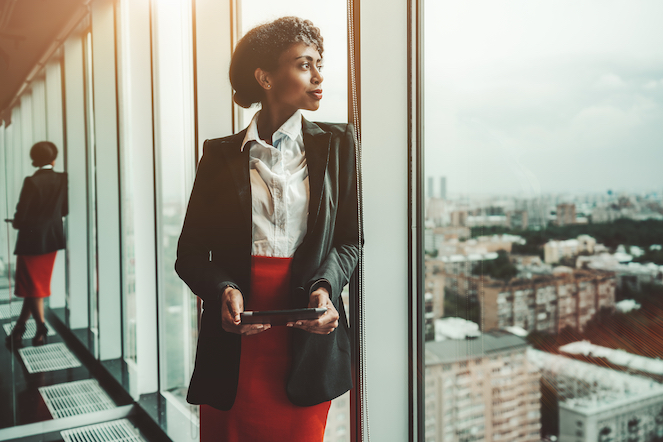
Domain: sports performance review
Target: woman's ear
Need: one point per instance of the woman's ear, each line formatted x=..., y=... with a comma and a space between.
x=262, y=77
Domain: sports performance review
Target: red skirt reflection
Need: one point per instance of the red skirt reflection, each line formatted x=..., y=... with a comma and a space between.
x=262, y=411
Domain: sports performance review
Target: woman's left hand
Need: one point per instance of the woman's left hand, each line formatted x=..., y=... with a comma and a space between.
x=326, y=323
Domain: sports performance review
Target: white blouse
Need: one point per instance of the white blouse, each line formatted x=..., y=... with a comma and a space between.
x=279, y=188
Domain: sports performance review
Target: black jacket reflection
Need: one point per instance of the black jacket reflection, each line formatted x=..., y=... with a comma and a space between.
x=42, y=204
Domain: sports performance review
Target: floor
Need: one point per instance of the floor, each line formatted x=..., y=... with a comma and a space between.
x=25, y=415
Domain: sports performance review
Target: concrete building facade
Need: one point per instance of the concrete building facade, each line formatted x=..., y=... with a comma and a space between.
x=556, y=250
x=566, y=214
x=597, y=404
x=545, y=303
x=483, y=389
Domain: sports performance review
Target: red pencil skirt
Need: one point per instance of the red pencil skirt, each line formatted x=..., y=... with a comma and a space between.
x=33, y=275
x=262, y=411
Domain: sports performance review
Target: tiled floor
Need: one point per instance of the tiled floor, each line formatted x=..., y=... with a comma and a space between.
x=23, y=405
x=19, y=389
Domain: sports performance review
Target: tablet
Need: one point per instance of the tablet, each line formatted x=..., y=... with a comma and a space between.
x=281, y=317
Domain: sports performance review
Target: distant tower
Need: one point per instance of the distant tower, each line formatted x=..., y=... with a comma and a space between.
x=443, y=187
x=566, y=214
x=430, y=187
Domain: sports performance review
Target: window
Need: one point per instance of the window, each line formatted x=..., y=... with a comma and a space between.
x=534, y=144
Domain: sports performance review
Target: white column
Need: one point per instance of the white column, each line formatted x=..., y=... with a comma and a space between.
x=77, y=301
x=26, y=134
x=213, y=53
x=55, y=134
x=9, y=202
x=384, y=127
x=38, y=110
x=6, y=248
x=16, y=155
x=107, y=172
x=135, y=86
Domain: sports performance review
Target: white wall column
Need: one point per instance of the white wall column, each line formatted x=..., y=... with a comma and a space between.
x=135, y=86
x=6, y=250
x=55, y=134
x=77, y=301
x=26, y=135
x=384, y=127
x=38, y=110
x=16, y=152
x=107, y=173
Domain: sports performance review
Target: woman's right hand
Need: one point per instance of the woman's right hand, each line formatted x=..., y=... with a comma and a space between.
x=232, y=304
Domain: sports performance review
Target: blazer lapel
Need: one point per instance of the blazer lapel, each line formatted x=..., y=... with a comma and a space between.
x=237, y=162
x=316, y=148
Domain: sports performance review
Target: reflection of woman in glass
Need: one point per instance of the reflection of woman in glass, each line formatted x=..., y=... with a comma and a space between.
x=38, y=218
x=272, y=224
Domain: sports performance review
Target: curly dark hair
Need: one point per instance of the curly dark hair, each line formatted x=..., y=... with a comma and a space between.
x=43, y=153
x=261, y=47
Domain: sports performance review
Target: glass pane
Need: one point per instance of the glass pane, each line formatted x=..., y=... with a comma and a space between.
x=174, y=138
x=544, y=220
x=93, y=288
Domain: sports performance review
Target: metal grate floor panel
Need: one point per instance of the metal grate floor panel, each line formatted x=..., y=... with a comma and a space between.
x=4, y=293
x=30, y=329
x=8, y=311
x=49, y=357
x=75, y=398
x=114, y=431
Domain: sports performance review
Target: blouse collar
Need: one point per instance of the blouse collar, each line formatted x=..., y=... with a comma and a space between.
x=292, y=128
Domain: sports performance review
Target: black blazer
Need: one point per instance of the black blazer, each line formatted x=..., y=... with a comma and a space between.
x=38, y=218
x=215, y=249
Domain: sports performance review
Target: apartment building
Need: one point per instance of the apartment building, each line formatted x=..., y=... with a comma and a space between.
x=543, y=303
x=482, y=389
x=566, y=214
x=556, y=250
x=600, y=404
x=517, y=219
x=550, y=302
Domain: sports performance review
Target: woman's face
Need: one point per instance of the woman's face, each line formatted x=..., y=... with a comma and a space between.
x=295, y=84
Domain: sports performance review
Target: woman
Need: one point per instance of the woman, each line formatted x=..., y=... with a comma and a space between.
x=38, y=218
x=272, y=224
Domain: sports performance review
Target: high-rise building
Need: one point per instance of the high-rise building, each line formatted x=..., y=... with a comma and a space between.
x=517, y=219
x=443, y=187
x=483, y=389
x=566, y=214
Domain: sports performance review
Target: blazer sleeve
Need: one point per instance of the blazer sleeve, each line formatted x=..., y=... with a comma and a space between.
x=342, y=259
x=193, y=264
x=24, y=203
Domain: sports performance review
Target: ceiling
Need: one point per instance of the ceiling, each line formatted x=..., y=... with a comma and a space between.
x=28, y=29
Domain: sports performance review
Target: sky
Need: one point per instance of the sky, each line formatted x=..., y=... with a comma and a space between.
x=522, y=97
x=529, y=97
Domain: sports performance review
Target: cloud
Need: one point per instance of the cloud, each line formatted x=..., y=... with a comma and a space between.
x=653, y=84
x=610, y=81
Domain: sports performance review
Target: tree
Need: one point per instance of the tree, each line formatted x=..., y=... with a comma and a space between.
x=500, y=268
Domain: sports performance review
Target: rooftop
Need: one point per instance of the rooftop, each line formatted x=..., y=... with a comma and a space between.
x=617, y=357
x=453, y=350
x=606, y=389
